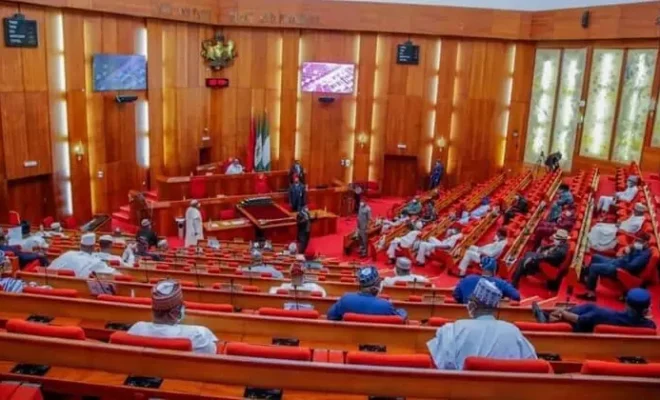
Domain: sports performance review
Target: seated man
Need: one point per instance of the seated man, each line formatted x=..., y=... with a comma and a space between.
x=414, y=207
x=482, y=210
x=564, y=199
x=290, y=250
x=29, y=241
x=168, y=312
x=602, y=236
x=141, y=249
x=386, y=225
x=83, y=263
x=545, y=229
x=105, y=252
x=298, y=280
x=259, y=267
x=519, y=206
x=147, y=233
x=408, y=241
x=482, y=335
x=429, y=214
x=465, y=287
x=402, y=273
x=627, y=195
x=55, y=230
x=477, y=253
x=25, y=258
x=366, y=301
x=234, y=167
x=553, y=254
x=633, y=260
x=584, y=318
x=427, y=247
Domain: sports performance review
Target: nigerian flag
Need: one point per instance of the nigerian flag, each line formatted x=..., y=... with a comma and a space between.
x=258, y=148
x=262, y=145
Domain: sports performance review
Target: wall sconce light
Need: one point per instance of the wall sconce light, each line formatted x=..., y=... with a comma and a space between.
x=362, y=139
x=79, y=151
x=441, y=143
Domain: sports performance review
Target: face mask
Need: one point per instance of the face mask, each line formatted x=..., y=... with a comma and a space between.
x=556, y=242
x=638, y=246
x=182, y=314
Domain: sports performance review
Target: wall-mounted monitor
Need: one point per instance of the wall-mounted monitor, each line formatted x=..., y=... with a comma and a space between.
x=321, y=77
x=119, y=72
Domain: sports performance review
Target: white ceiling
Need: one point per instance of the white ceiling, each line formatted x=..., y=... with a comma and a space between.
x=522, y=5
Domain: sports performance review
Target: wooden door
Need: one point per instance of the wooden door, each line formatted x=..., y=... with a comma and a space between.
x=400, y=175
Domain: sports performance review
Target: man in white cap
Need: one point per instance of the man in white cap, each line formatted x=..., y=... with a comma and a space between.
x=481, y=336
x=553, y=254
x=298, y=280
x=234, y=167
x=291, y=249
x=408, y=241
x=105, y=252
x=627, y=195
x=147, y=234
x=194, y=228
x=83, y=263
x=475, y=253
x=427, y=247
x=168, y=312
x=602, y=236
x=402, y=272
x=258, y=266
x=55, y=230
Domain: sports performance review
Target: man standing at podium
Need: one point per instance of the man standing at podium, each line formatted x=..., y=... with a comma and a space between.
x=297, y=195
x=194, y=228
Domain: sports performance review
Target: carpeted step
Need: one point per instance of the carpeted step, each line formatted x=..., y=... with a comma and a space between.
x=151, y=195
x=126, y=209
x=122, y=216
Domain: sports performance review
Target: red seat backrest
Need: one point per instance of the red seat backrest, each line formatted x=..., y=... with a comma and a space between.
x=624, y=330
x=619, y=369
x=191, y=305
x=374, y=319
x=251, y=289
x=14, y=218
x=498, y=365
x=37, y=329
x=438, y=321
x=65, y=272
x=650, y=272
x=127, y=339
x=539, y=327
x=125, y=299
x=389, y=360
x=279, y=312
x=198, y=187
x=71, y=293
x=123, y=278
x=277, y=352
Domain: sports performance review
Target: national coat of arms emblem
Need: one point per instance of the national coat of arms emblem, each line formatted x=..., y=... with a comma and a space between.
x=218, y=52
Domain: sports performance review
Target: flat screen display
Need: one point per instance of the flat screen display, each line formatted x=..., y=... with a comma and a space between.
x=323, y=77
x=119, y=72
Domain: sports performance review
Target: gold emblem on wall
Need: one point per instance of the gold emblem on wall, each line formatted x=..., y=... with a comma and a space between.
x=218, y=52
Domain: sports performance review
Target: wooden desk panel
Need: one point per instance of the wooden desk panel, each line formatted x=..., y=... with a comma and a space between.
x=178, y=187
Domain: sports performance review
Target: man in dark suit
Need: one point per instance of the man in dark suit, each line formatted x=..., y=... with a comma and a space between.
x=297, y=195
x=554, y=254
x=304, y=225
x=519, y=206
x=147, y=233
x=297, y=170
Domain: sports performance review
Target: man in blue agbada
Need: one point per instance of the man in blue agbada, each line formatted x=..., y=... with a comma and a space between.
x=366, y=301
x=482, y=335
x=465, y=287
x=436, y=175
x=564, y=198
x=584, y=318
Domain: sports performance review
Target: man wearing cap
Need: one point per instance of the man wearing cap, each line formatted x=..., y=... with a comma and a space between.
x=147, y=233
x=25, y=258
x=363, y=220
x=402, y=268
x=519, y=206
x=481, y=336
x=400, y=219
x=83, y=263
x=627, y=195
x=428, y=213
x=55, y=230
x=465, y=286
x=408, y=241
x=414, y=207
x=105, y=253
x=366, y=301
x=482, y=210
x=475, y=253
x=603, y=236
x=194, y=228
x=234, y=167
x=633, y=260
x=168, y=311
x=584, y=318
x=427, y=247
x=553, y=254
x=545, y=229
x=564, y=198
x=299, y=280
x=258, y=266
x=297, y=195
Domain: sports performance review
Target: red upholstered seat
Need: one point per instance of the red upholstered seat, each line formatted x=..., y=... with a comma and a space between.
x=72, y=293
x=415, y=298
x=266, y=275
x=70, y=223
x=497, y=365
x=251, y=289
x=48, y=221
x=389, y=360
x=316, y=293
x=347, y=279
x=539, y=327
x=278, y=312
x=191, y=305
x=374, y=319
x=37, y=329
x=284, y=292
x=14, y=218
x=123, y=278
x=65, y=272
x=624, y=330
x=15, y=390
x=438, y=321
x=163, y=267
x=276, y=352
x=125, y=299
x=618, y=369
x=123, y=338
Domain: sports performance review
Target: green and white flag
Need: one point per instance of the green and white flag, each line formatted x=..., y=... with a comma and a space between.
x=265, y=147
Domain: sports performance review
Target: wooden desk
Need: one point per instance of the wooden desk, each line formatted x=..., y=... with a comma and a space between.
x=230, y=229
x=178, y=187
x=165, y=212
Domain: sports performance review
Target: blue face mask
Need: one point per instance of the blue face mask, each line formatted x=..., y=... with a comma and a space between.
x=182, y=314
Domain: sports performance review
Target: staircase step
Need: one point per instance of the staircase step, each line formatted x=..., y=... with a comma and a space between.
x=122, y=216
x=126, y=209
x=152, y=195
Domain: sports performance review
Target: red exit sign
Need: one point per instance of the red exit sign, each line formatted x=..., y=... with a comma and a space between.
x=217, y=82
